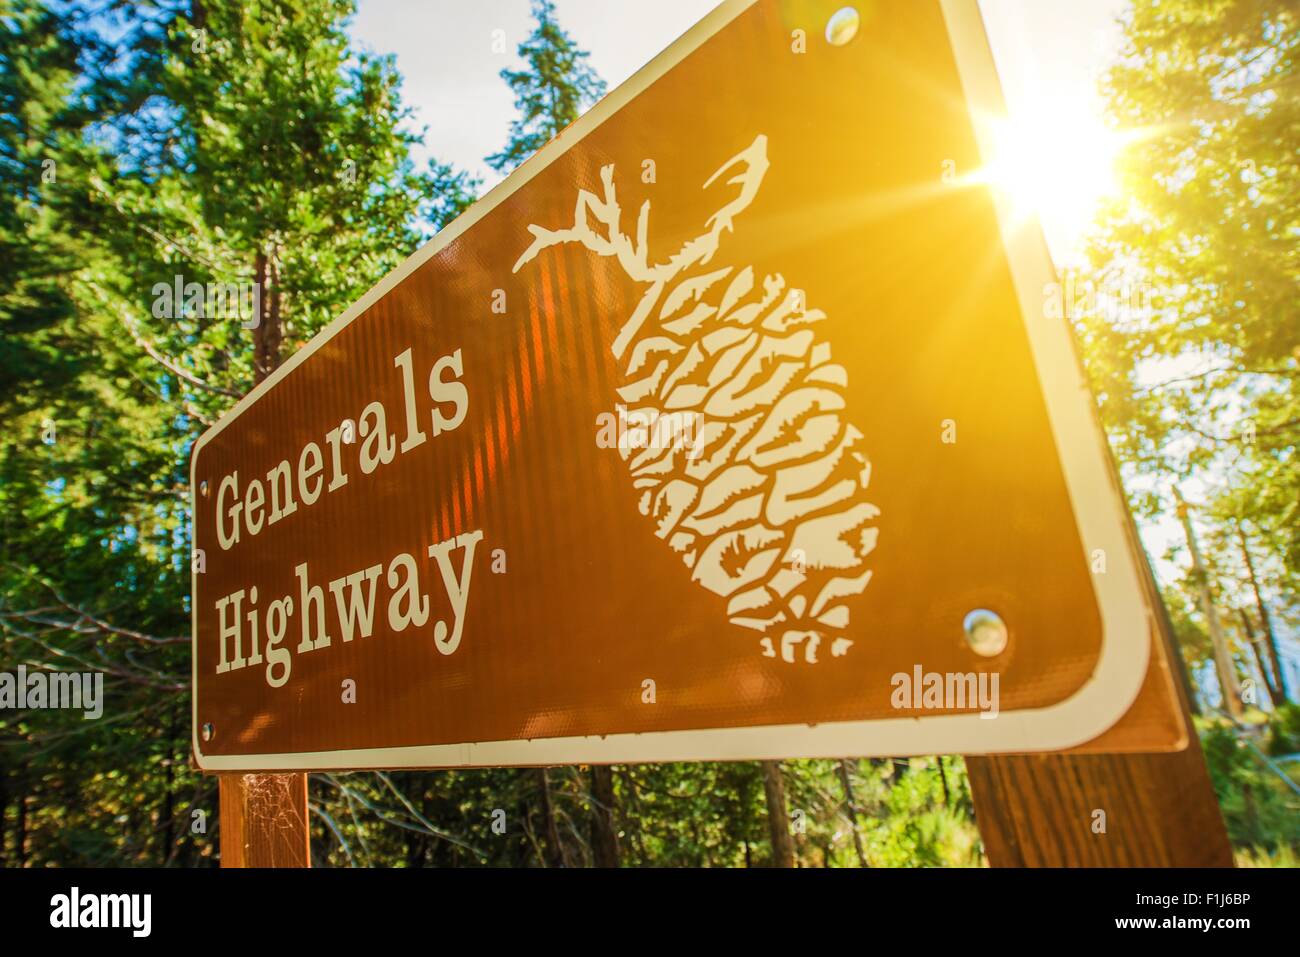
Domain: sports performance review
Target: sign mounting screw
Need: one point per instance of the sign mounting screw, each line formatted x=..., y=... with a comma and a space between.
x=986, y=632
x=842, y=26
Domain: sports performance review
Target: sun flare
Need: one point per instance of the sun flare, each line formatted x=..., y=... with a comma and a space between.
x=1055, y=164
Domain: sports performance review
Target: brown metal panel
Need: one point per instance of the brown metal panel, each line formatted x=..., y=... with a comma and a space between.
x=746, y=601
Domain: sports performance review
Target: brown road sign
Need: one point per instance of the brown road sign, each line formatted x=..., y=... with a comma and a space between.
x=731, y=425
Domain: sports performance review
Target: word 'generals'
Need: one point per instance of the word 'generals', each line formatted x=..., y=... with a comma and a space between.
x=238, y=513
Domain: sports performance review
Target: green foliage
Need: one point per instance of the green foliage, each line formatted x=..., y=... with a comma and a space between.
x=234, y=141
x=666, y=815
x=551, y=93
x=1198, y=378
x=1259, y=809
x=138, y=144
x=1284, y=730
x=33, y=254
x=1261, y=857
x=1209, y=220
x=920, y=830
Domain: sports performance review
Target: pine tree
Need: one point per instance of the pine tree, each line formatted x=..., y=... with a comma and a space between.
x=222, y=142
x=1207, y=385
x=551, y=93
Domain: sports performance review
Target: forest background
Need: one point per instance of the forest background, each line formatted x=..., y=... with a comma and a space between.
x=210, y=137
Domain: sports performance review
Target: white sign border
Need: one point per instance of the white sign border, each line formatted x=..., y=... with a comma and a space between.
x=1098, y=503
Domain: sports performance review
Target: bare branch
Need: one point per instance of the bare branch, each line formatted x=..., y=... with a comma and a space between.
x=98, y=185
x=170, y=366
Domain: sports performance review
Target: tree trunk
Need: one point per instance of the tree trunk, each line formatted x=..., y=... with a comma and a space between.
x=1261, y=657
x=20, y=819
x=428, y=807
x=1228, y=682
x=529, y=843
x=268, y=336
x=778, y=817
x=847, y=783
x=554, y=852
x=417, y=845
x=169, y=799
x=898, y=768
x=4, y=814
x=633, y=798
x=604, y=833
x=1277, y=685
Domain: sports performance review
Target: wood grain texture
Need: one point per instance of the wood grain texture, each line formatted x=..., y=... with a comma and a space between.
x=264, y=820
x=1037, y=810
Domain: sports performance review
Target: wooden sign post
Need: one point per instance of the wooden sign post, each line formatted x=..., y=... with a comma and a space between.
x=264, y=820
x=1044, y=810
x=1101, y=810
x=729, y=426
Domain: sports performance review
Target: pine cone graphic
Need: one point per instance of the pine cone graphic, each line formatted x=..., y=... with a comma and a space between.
x=754, y=476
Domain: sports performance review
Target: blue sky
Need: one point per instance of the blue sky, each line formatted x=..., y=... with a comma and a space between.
x=451, y=72
x=1049, y=54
